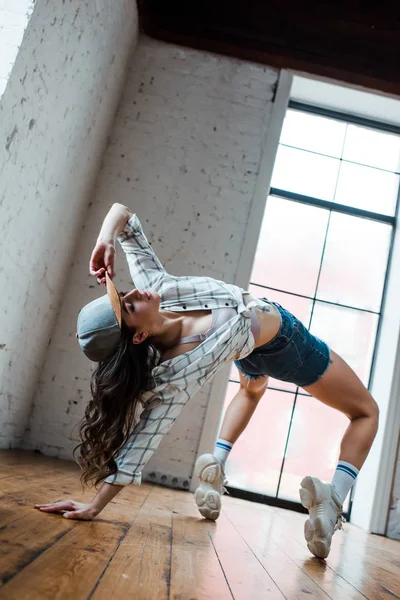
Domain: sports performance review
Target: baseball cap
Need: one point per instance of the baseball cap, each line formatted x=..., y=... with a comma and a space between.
x=99, y=324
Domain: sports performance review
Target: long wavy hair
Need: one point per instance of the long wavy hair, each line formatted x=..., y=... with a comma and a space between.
x=116, y=386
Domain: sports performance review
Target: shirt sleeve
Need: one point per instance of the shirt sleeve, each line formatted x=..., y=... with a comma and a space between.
x=145, y=268
x=144, y=440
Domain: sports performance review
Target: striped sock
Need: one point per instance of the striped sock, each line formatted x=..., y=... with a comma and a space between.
x=221, y=451
x=343, y=479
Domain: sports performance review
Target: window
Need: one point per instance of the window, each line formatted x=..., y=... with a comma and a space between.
x=323, y=254
x=14, y=17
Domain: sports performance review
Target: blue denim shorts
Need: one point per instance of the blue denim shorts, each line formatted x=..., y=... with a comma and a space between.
x=293, y=355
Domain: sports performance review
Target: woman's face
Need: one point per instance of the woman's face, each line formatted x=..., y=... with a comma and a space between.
x=140, y=310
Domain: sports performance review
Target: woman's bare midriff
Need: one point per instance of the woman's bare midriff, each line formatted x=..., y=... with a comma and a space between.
x=198, y=321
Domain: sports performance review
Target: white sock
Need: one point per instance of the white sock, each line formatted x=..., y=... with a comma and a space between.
x=221, y=451
x=343, y=479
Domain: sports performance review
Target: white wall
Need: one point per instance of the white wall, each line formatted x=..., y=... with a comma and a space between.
x=184, y=154
x=55, y=116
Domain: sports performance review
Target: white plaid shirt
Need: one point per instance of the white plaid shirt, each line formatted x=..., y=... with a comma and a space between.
x=176, y=380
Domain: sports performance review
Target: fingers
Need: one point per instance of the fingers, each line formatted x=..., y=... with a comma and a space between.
x=109, y=260
x=69, y=509
x=96, y=271
x=95, y=264
x=56, y=506
x=80, y=515
x=100, y=274
x=102, y=259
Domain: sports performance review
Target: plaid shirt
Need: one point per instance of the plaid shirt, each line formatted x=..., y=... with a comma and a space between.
x=176, y=380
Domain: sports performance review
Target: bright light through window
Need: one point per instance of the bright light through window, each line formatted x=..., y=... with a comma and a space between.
x=323, y=256
x=14, y=17
x=337, y=161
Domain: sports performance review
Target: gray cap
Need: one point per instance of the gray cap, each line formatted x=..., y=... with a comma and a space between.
x=99, y=325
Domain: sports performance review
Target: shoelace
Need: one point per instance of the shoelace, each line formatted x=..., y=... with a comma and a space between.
x=339, y=522
x=224, y=490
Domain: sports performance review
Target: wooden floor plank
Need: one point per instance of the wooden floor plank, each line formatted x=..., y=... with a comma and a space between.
x=140, y=568
x=70, y=568
x=21, y=542
x=246, y=574
x=195, y=570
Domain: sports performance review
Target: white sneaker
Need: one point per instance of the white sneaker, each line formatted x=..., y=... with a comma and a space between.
x=211, y=488
x=325, y=512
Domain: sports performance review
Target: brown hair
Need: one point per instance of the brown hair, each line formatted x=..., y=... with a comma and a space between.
x=116, y=386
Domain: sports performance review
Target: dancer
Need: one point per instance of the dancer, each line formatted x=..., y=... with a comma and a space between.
x=157, y=344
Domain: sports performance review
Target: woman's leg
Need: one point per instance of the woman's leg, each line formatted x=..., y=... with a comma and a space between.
x=238, y=414
x=210, y=467
x=341, y=388
x=242, y=406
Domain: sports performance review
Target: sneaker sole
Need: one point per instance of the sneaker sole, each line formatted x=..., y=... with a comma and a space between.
x=207, y=498
x=314, y=530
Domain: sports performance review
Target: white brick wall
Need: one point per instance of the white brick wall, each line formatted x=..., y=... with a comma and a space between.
x=184, y=154
x=55, y=116
x=14, y=17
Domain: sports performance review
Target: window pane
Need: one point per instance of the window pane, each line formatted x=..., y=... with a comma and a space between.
x=373, y=148
x=353, y=268
x=256, y=459
x=310, y=132
x=313, y=447
x=234, y=374
x=367, y=188
x=305, y=173
x=290, y=246
x=351, y=333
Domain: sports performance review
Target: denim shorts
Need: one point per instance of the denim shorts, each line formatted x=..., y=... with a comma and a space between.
x=293, y=355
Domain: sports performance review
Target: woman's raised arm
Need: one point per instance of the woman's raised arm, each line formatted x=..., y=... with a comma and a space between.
x=102, y=258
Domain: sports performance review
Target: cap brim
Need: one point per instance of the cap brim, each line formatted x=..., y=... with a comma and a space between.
x=114, y=299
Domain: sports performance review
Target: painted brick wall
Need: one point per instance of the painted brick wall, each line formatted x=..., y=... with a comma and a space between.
x=184, y=154
x=55, y=116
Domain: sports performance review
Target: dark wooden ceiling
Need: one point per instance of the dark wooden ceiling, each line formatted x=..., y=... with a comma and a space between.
x=353, y=41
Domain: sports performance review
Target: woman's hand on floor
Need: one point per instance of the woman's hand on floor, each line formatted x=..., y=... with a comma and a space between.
x=102, y=260
x=70, y=509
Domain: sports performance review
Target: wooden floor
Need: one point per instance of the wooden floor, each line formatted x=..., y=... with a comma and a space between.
x=151, y=543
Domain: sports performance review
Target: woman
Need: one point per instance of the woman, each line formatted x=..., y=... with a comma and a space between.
x=159, y=343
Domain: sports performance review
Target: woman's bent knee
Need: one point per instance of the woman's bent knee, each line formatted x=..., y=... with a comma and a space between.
x=375, y=410
x=253, y=388
x=369, y=410
x=374, y=413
